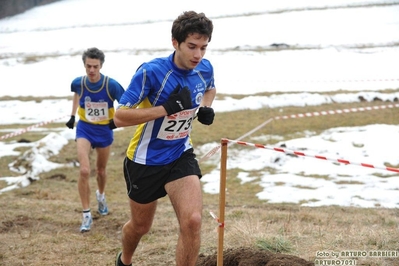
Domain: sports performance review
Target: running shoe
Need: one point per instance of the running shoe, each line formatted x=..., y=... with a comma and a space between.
x=86, y=224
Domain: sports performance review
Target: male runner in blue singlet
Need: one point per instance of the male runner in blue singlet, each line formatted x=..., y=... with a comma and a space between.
x=94, y=96
x=163, y=98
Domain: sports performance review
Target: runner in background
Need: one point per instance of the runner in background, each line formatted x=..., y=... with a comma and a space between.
x=94, y=96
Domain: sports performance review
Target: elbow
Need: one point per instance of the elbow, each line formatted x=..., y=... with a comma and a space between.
x=122, y=118
x=117, y=120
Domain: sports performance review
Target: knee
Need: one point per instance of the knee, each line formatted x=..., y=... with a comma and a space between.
x=84, y=172
x=137, y=229
x=193, y=224
x=142, y=229
x=101, y=172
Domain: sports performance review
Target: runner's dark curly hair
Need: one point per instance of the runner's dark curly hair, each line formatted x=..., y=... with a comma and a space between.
x=190, y=22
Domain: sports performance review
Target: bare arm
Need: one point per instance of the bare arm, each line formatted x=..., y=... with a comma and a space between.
x=125, y=117
x=130, y=117
x=75, y=102
x=209, y=96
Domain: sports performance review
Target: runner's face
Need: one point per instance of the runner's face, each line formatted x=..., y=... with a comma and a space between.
x=190, y=52
x=93, y=67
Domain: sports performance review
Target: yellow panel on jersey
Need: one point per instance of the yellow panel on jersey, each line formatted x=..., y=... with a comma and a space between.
x=95, y=103
x=138, y=132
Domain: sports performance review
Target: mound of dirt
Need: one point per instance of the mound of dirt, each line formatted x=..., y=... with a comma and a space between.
x=252, y=257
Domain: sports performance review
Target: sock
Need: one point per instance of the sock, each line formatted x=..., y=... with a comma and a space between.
x=86, y=213
x=100, y=197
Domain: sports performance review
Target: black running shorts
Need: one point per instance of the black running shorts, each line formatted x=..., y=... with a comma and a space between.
x=146, y=183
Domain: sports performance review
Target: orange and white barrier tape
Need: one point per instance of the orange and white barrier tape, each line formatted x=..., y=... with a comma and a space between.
x=216, y=219
x=19, y=132
x=300, y=153
x=332, y=112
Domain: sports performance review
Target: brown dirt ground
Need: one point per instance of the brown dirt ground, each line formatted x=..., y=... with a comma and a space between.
x=252, y=257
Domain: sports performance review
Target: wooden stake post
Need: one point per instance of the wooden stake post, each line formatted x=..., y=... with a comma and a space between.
x=222, y=200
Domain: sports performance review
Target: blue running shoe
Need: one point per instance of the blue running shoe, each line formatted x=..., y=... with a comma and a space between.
x=86, y=224
x=102, y=204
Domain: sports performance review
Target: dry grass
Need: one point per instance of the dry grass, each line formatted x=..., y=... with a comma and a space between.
x=39, y=223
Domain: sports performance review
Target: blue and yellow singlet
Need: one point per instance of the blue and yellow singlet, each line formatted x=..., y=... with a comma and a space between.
x=163, y=140
x=96, y=100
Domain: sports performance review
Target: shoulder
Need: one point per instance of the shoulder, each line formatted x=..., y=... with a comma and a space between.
x=206, y=62
x=113, y=81
x=76, y=84
x=205, y=65
x=77, y=80
x=115, y=88
x=156, y=63
x=204, y=68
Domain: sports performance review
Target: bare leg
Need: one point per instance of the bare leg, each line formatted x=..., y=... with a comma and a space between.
x=102, y=160
x=186, y=197
x=83, y=148
x=142, y=216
